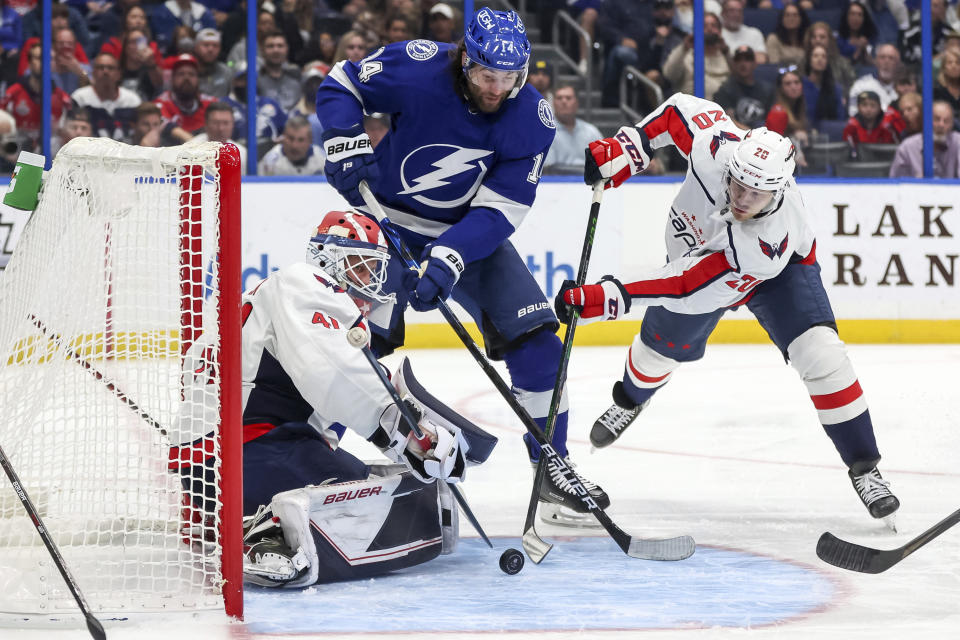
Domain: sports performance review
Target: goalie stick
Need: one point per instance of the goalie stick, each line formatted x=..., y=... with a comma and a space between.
x=670, y=549
x=93, y=625
x=361, y=343
x=854, y=557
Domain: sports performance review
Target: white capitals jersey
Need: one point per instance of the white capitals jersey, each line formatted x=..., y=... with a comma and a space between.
x=714, y=261
x=297, y=363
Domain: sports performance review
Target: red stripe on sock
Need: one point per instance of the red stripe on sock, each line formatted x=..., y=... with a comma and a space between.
x=838, y=399
x=640, y=376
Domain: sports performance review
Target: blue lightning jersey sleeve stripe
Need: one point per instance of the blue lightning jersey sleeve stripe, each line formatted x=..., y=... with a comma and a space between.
x=454, y=175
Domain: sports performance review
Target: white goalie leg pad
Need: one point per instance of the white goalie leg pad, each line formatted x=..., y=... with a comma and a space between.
x=449, y=514
x=820, y=357
x=349, y=520
x=646, y=368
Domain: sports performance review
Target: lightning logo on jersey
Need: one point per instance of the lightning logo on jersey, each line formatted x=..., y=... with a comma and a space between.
x=772, y=250
x=448, y=176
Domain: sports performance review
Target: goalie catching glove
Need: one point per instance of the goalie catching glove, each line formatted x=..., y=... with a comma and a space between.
x=439, y=455
x=606, y=300
x=615, y=159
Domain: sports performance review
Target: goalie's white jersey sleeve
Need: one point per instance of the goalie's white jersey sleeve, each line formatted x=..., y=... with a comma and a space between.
x=297, y=362
x=714, y=261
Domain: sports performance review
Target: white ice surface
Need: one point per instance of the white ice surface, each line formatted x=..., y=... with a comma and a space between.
x=730, y=452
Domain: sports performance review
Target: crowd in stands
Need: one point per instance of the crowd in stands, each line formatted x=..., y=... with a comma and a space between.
x=160, y=73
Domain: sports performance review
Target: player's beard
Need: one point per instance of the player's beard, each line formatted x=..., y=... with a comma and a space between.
x=487, y=102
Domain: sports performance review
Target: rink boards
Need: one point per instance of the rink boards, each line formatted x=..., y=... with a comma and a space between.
x=888, y=250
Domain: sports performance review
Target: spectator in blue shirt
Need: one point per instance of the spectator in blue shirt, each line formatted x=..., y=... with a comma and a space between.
x=823, y=95
x=11, y=31
x=172, y=13
x=857, y=34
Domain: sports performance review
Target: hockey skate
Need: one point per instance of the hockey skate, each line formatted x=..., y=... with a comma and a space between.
x=616, y=419
x=558, y=502
x=875, y=494
x=267, y=559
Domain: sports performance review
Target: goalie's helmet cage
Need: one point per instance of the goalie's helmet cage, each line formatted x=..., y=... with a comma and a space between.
x=497, y=40
x=119, y=384
x=351, y=248
x=764, y=160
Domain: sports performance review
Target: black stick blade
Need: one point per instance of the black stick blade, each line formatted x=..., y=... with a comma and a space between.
x=95, y=628
x=850, y=556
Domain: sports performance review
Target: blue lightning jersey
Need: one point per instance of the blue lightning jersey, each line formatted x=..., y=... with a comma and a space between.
x=454, y=176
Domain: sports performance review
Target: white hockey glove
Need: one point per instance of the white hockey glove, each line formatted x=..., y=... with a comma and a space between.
x=615, y=159
x=439, y=455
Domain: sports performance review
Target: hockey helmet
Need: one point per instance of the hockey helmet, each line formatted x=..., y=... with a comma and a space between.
x=764, y=161
x=497, y=41
x=350, y=247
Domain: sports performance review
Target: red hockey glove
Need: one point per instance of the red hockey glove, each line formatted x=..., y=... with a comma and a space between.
x=615, y=159
x=606, y=300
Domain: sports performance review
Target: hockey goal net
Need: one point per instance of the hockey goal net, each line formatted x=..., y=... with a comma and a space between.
x=131, y=258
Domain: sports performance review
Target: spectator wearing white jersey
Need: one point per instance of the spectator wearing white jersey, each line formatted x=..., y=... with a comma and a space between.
x=736, y=34
x=881, y=82
x=295, y=155
x=218, y=127
x=573, y=134
x=112, y=108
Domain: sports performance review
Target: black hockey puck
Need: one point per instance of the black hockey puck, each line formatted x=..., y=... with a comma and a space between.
x=511, y=561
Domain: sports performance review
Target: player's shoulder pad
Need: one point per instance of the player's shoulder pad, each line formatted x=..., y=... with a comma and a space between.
x=528, y=125
x=401, y=67
x=410, y=56
x=690, y=105
x=306, y=282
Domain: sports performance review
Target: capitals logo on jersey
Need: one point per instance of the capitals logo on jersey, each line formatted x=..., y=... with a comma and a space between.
x=443, y=175
x=773, y=250
x=720, y=139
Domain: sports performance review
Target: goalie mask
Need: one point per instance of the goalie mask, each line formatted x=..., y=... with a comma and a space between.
x=497, y=52
x=350, y=247
x=757, y=173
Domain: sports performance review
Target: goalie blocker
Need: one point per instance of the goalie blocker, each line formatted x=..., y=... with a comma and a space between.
x=353, y=530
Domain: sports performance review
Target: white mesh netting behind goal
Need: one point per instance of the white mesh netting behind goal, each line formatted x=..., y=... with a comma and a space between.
x=117, y=274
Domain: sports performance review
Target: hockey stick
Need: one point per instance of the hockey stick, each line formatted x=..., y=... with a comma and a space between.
x=93, y=625
x=536, y=547
x=671, y=549
x=854, y=557
x=361, y=343
x=123, y=397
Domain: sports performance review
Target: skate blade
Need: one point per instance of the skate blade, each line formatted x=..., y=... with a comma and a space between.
x=891, y=522
x=555, y=514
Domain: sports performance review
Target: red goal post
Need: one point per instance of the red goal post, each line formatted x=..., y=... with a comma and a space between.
x=120, y=394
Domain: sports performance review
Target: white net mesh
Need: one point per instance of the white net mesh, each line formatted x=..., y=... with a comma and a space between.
x=114, y=276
